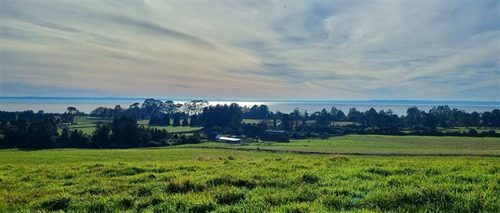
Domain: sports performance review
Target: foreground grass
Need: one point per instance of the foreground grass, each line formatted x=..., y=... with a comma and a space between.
x=381, y=144
x=197, y=180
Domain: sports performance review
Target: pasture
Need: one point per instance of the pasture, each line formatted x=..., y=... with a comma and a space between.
x=201, y=180
x=379, y=144
x=88, y=124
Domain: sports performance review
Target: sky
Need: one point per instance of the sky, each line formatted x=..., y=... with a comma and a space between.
x=328, y=50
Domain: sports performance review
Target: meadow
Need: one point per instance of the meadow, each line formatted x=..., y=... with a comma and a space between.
x=202, y=180
x=378, y=144
x=88, y=124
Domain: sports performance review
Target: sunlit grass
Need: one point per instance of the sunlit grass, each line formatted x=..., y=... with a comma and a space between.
x=196, y=180
x=380, y=144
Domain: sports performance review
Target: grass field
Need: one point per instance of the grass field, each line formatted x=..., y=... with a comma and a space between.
x=256, y=121
x=380, y=144
x=88, y=124
x=197, y=180
x=465, y=129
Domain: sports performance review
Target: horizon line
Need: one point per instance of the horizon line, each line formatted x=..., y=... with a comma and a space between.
x=243, y=99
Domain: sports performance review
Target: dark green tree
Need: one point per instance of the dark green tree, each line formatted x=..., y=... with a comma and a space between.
x=78, y=139
x=41, y=134
x=176, y=121
x=194, y=121
x=185, y=122
x=235, y=122
x=64, y=139
x=413, y=117
x=125, y=132
x=101, y=136
x=286, y=123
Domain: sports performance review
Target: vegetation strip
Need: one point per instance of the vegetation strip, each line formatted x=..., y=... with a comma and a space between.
x=343, y=153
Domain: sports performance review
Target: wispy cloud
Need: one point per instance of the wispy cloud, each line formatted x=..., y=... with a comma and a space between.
x=301, y=50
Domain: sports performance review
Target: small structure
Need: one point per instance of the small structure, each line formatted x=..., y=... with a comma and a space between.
x=275, y=135
x=220, y=138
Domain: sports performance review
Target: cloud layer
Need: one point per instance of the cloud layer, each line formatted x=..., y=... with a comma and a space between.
x=252, y=50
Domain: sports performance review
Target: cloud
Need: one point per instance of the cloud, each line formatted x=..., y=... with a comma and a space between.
x=283, y=50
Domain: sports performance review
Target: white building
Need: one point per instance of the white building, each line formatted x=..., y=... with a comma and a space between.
x=220, y=138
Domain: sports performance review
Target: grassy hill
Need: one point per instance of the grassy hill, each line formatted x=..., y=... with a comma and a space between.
x=199, y=180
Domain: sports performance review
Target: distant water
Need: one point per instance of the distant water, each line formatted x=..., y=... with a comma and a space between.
x=59, y=105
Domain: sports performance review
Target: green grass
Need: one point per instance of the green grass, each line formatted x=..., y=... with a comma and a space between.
x=174, y=129
x=197, y=180
x=87, y=125
x=86, y=120
x=256, y=121
x=380, y=144
x=465, y=129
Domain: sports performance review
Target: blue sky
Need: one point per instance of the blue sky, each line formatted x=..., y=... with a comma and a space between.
x=422, y=50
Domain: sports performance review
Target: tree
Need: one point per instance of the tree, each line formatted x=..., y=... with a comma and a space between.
x=101, y=136
x=235, y=122
x=72, y=110
x=40, y=134
x=16, y=134
x=474, y=119
x=67, y=118
x=371, y=117
x=125, y=132
x=185, y=122
x=413, y=117
x=64, y=138
x=429, y=120
x=219, y=115
x=194, y=120
x=159, y=119
x=176, y=121
x=354, y=115
x=78, y=139
x=286, y=122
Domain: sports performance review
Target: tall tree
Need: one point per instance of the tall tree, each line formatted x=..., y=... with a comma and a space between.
x=41, y=134
x=176, y=121
x=194, y=120
x=101, y=136
x=125, y=132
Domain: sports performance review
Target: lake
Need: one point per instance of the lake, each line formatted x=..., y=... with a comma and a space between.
x=59, y=105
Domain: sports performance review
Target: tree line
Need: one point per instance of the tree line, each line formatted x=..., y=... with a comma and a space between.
x=122, y=132
x=40, y=130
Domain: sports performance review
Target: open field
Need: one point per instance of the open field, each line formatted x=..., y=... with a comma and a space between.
x=197, y=180
x=256, y=121
x=380, y=144
x=88, y=124
x=174, y=129
x=465, y=129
